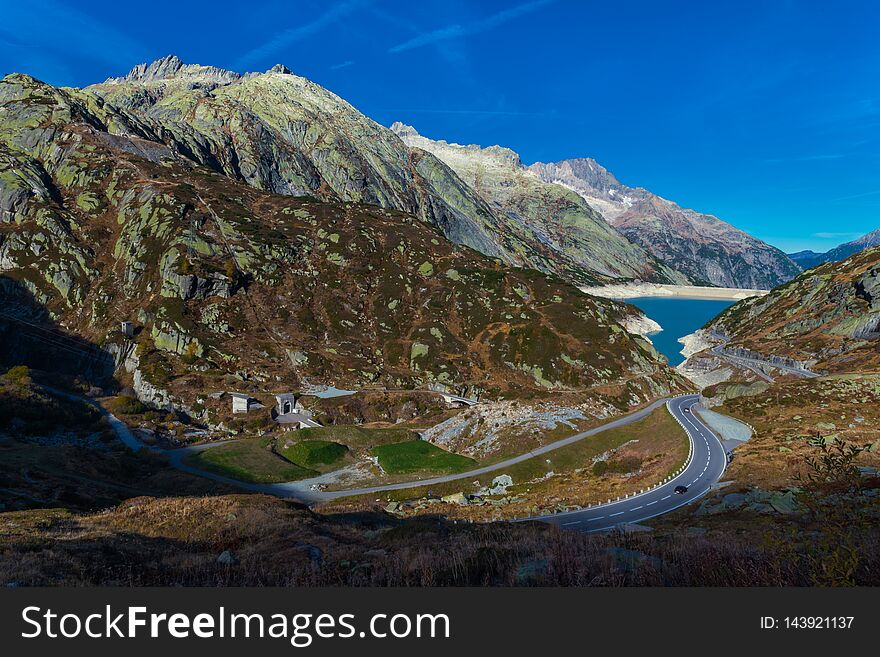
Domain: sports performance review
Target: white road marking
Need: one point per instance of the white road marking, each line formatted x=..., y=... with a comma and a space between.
x=693, y=427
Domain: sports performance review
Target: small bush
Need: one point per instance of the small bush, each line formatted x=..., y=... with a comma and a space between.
x=600, y=468
x=259, y=423
x=191, y=354
x=625, y=465
x=309, y=453
x=19, y=375
x=126, y=406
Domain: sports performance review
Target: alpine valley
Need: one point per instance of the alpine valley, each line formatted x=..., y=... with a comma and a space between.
x=251, y=336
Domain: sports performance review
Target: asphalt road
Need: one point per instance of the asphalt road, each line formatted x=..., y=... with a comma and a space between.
x=303, y=490
x=755, y=364
x=705, y=469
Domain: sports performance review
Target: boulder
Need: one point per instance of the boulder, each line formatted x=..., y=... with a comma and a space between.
x=455, y=498
x=629, y=561
x=227, y=558
x=783, y=502
x=532, y=571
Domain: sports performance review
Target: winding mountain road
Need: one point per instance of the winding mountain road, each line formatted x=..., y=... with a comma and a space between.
x=756, y=365
x=303, y=490
x=707, y=464
x=705, y=468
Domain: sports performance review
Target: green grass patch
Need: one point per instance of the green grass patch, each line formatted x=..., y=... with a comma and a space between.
x=125, y=406
x=249, y=460
x=659, y=429
x=418, y=456
x=310, y=453
x=357, y=437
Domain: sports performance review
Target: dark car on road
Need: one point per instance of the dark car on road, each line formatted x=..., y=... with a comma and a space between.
x=681, y=489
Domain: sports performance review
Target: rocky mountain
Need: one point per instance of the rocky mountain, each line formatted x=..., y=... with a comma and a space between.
x=707, y=250
x=103, y=219
x=282, y=133
x=828, y=316
x=808, y=259
x=549, y=214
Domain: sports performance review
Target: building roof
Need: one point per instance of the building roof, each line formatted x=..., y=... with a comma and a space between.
x=296, y=418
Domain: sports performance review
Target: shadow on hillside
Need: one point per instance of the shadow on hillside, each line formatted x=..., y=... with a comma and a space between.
x=29, y=336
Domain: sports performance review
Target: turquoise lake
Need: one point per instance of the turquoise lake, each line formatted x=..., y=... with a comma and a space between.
x=679, y=317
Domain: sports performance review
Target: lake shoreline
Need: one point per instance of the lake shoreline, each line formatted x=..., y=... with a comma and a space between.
x=625, y=291
x=680, y=318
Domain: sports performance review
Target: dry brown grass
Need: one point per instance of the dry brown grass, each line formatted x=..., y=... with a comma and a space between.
x=790, y=412
x=176, y=541
x=656, y=443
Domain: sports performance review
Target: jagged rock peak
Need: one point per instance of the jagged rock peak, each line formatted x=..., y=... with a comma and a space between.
x=403, y=130
x=170, y=67
x=280, y=68
x=583, y=168
x=496, y=154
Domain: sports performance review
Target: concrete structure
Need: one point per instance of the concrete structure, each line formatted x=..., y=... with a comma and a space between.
x=242, y=403
x=127, y=329
x=289, y=413
x=286, y=403
x=294, y=421
x=455, y=400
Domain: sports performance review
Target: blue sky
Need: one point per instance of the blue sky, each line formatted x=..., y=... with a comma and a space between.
x=766, y=114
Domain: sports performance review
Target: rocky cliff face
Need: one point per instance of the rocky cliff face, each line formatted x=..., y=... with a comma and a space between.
x=829, y=316
x=808, y=259
x=706, y=249
x=103, y=220
x=282, y=133
x=546, y=214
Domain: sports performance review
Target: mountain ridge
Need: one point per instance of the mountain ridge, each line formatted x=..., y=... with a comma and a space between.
x=232, y=287
x=552, y=214
x=283, y=133
x=809, y=259
x=707, y=249
x=828, y=316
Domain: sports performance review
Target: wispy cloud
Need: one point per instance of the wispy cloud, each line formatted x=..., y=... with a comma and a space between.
x=855, y=196
x=45, y=35
x=469, y=112
x=288, y=37
x=458, y=31
x=340, y=65
x=805, y=158
x=836, y=236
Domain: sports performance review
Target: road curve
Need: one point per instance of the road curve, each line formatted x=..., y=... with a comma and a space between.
x=704, y=470
x=755, y=365
x=302, y=490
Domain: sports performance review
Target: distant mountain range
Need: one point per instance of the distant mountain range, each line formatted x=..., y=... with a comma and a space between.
x=809, y=259
x=282, y=133
x=143, y=210
x=829, y=316
x=704, y=248
x=552, y=214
